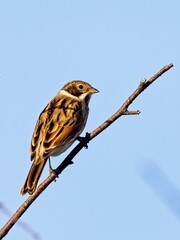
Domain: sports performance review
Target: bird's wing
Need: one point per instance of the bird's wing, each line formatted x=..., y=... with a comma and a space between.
x=59, y=124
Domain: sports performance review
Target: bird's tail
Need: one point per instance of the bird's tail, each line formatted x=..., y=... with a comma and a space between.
x=33, y=177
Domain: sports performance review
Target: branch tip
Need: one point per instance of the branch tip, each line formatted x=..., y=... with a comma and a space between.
x=127, y=112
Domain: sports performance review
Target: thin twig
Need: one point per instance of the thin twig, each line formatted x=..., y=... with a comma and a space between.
x=26, y=227
x=123, y=110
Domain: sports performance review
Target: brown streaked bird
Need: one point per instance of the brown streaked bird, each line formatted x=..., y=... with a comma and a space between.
x=58, y=126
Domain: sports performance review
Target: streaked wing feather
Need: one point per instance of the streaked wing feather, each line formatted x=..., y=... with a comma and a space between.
x=60, y=122
x=68, y=129
x=35, y=138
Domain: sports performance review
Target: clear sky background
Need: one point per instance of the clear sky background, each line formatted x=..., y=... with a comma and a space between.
x=127, y=184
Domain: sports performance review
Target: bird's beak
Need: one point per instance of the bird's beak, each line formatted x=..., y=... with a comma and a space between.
x=93, y=90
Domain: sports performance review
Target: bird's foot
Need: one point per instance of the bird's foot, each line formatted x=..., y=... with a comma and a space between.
x=84, y=140
x=51, y=170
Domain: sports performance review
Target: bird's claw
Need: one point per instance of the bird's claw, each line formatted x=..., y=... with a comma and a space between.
x=84, y=140
x=51, y=170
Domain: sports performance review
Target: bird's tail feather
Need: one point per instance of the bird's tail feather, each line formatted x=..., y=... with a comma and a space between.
x=33, y=177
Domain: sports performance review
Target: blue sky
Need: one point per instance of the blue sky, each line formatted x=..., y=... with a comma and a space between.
x=126, y=185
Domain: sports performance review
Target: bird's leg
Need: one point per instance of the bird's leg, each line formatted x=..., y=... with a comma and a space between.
x=50, y=167
x=84, y=140
x=51, y=170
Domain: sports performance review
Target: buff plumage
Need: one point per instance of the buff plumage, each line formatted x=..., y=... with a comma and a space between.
x=58, y=126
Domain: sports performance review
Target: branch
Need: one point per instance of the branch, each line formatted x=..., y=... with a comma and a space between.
x=123, y=110
x=26, y=227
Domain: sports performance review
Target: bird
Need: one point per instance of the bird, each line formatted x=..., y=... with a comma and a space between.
x=58, y=126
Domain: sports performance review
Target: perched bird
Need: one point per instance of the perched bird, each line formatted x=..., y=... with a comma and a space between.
x=58, y=126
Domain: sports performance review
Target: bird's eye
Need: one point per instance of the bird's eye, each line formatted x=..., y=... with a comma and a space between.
x=80, y=86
